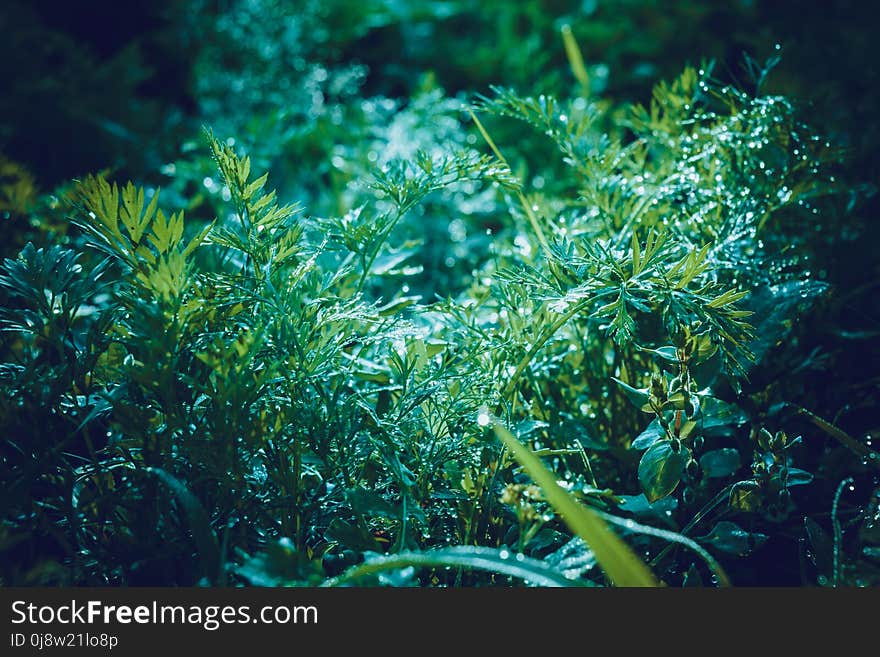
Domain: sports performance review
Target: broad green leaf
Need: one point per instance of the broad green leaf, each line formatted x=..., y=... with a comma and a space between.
x=435, y=346
x=705, y=371
x=652, y=433
x=718, y=418
x=746, y=496
x=731, y=538
x=720, y=462
x=638, y=397
x=385, y=263
x=654, y=512
x=702, y=349
x=674, y=537
x=617, y=560
x=351, y=536
x=661, y=468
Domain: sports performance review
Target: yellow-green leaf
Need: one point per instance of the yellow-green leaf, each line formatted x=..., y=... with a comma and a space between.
x=636, y=255
x=622, y=566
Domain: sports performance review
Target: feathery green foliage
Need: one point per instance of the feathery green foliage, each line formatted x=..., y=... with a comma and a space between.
x=221, y=384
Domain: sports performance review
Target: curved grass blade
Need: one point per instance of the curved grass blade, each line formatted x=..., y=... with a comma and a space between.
x=673, y=537
x=477, y=558
x=615, y=557
x=199, y=525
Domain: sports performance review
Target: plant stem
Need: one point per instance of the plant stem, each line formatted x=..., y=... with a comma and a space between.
x=838, y=533
x=702, y=513
x=523, y=201
x=868, y=456
x=536, y=347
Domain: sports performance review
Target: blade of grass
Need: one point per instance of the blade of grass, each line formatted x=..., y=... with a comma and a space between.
x=869, y=457
x=672, y=537
x=575, y=59
x=478, y=558
x=533, y=219
x=622, y=566
x=199, y=524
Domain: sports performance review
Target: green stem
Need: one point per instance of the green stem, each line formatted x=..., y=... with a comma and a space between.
x=694, y=521
x=869, y=457
x=838, y=533
x=587, y=465
x=536, y=347
x=371, y=258
x=533, y=219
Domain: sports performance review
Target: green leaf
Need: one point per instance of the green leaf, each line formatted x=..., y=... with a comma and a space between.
x=661, y=468
x=636, y=255
x=281, y=564
x=254, y=187
x=674, y=537
x=657, y=512
x=692, y=577
x=638, y=397
x=797, y=477
x=351, y=536
x=385, y=263
x=617, y=560
x=746, y=496
x=702, y=349
x=369, y=503
x=731, y=538
x=668, y=353
x=623, y=327
x=727, y=298
x=821, y=547
x=574, y=558
x=652, y=433
x=705, y=371
x=575, y=58
x=197, y=240
x=718, y=418
x=199, y=524
x=720, y=462
x=395, y=306
x=478, y=558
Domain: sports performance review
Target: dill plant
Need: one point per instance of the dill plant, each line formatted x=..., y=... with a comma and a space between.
x=259, y=399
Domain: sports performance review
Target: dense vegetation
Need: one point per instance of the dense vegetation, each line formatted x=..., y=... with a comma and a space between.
x=438, y=294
